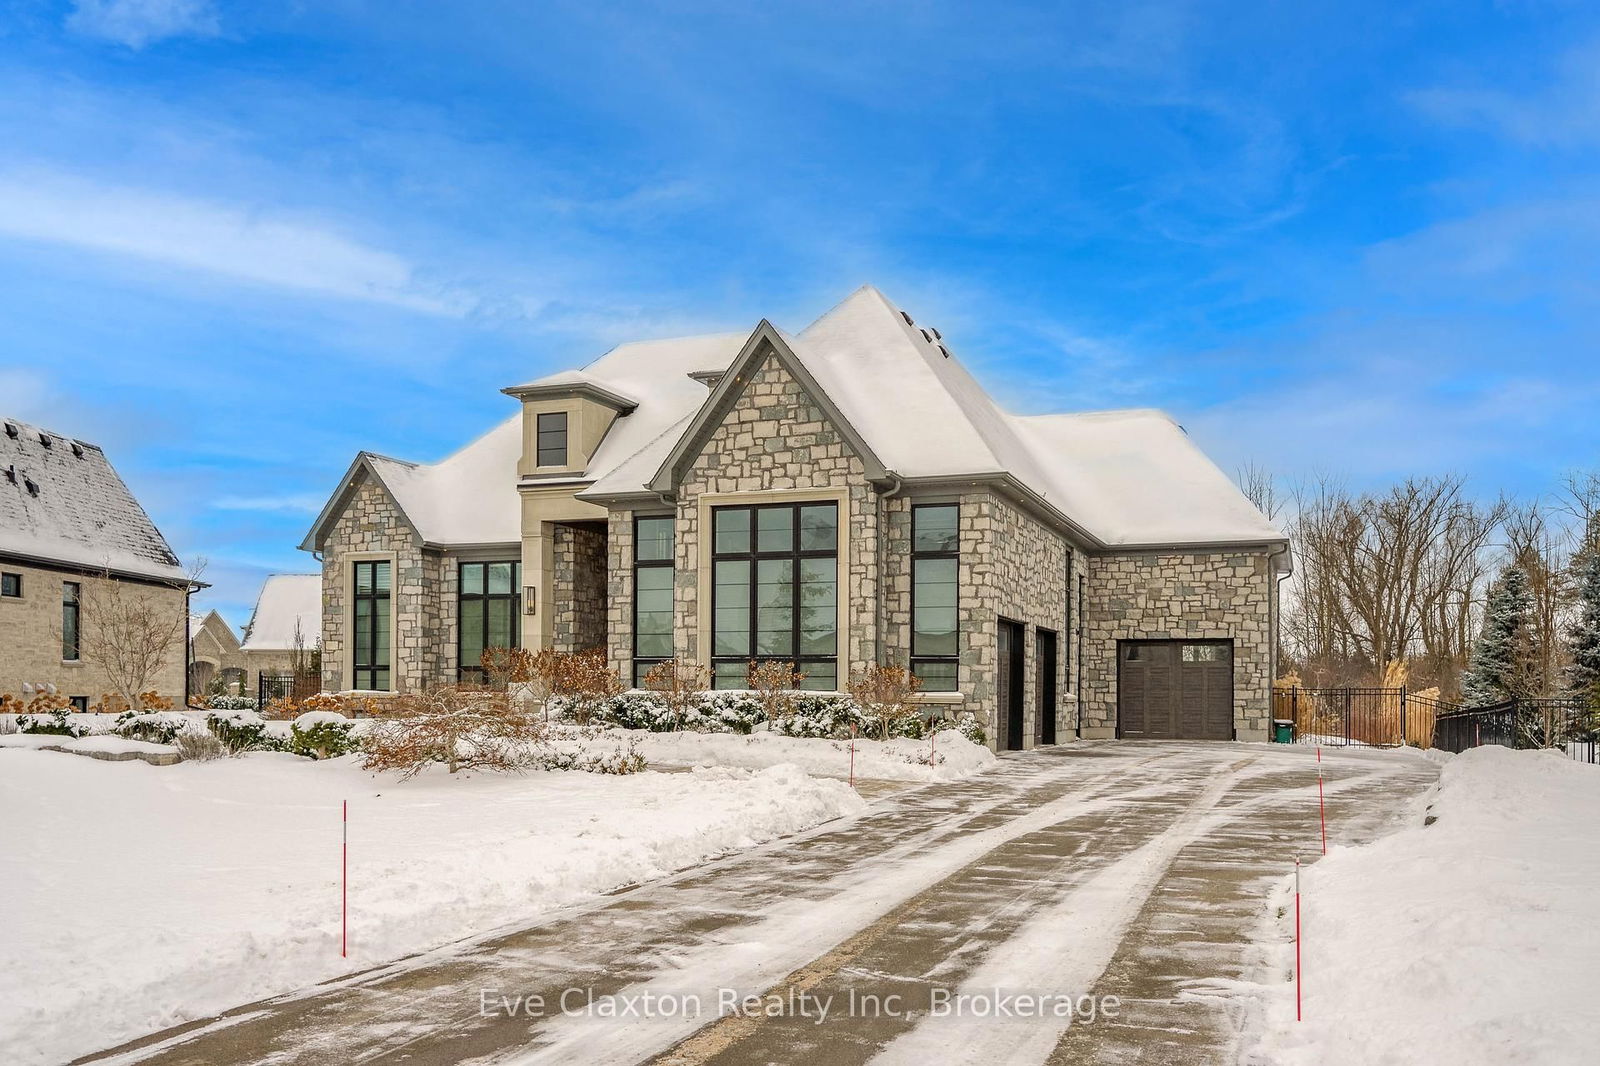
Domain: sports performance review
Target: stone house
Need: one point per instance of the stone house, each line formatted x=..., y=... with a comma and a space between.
x=844, y=495
x=77, y=552
x=214, y=654
x=284, y=629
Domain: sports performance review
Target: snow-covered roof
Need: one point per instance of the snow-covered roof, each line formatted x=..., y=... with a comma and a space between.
x=1124, y=478
x=286, y=599
x=61, y=502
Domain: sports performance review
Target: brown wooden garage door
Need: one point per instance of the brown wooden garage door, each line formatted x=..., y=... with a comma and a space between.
x=1175, y=689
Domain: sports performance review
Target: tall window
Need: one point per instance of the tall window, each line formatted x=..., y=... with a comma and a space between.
x=935, y=563
x=372, y=607
x=71, y=620
x=775, y=591
x=552, y=442
x=652, y=594
x=489, y=602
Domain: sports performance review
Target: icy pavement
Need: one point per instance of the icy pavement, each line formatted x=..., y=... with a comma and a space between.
x=1134, y=874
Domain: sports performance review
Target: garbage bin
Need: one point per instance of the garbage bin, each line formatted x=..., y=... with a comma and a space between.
x=1282, y=731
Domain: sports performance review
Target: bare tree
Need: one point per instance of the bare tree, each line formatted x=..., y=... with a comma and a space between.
x=464, y=728
x=884, y=694
x=679, y=683
x=1386, y=576
x=1541, y=551
x=1261, y=489
x=774, y=683
x=131, y=632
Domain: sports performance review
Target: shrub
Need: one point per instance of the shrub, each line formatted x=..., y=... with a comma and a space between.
x=729, y=711
x=156, y=727
x=200, y=747
x=821, y=714
x=225, y=702
x=679, y=683
x=572, y=752
x=110, y=703
x=585, y=683
x=322, y=735
x=52, y=723
x=464, y=728
x=967, y=726
x=884, y=695
x=637, y=710
x=241, y=731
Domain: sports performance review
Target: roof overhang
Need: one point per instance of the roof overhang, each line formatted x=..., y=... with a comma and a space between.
x=568, y=390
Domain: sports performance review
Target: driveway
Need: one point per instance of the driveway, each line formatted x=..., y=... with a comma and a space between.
x=1089, y=903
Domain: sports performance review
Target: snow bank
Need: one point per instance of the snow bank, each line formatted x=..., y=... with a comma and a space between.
x=896, y=760
x=1470, y=941
x=138, y=897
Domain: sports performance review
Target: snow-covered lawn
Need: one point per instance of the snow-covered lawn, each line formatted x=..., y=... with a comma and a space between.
x=137, y=896
x=951, y=755
x=1470, y=941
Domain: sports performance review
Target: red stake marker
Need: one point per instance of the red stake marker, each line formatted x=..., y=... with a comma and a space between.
x=1297, y=939
x=852, y=755
x=344, y=884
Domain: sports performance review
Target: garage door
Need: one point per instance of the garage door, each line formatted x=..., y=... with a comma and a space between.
x=1175, y=690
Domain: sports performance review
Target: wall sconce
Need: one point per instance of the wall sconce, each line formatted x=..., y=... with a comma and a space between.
x=530, y=599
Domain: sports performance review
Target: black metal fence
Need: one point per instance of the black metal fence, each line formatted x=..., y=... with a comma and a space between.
x=294, y=687
x=1358, y=717
x=1568, y=725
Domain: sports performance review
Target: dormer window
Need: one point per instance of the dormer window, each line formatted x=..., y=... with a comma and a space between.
x=552, y=443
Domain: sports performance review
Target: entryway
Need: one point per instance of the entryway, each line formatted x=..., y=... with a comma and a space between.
x=1175, y=689
x=1010, y=685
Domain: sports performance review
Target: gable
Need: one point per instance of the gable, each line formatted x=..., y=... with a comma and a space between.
x=769, y=411
x=362, y=501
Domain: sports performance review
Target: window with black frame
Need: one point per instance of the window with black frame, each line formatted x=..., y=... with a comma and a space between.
x=370, y=648
x=71, y=621
x=489, y=605
x=775, y=591
x=935, y=567
x=652, y=593
x=552, y=439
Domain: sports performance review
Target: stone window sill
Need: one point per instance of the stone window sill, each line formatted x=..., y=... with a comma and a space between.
x=938, y=697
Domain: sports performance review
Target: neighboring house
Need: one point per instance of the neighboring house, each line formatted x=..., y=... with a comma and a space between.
x=284, y=629
x=76, y=549
x=213, y=654
x=837, y=497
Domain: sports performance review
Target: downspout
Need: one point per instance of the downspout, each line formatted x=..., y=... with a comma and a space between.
x=188, y=645
x=881, y=643
x=1277, y=610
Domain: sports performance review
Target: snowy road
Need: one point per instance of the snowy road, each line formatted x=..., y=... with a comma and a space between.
x=1133, y=871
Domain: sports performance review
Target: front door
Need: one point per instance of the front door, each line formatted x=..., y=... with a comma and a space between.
x=1044, y=686
x=1009, y=688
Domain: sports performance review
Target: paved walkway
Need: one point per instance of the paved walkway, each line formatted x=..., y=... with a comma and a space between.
x=1130, y=870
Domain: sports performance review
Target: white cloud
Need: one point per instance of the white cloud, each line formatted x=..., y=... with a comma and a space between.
x=137, y=23
x=1565, y=111
x=298, y=503
x=23, y=394
x=231, y=240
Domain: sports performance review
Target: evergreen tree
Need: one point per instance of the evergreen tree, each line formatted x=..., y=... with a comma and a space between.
x=1500, y=667
x=1583, y=676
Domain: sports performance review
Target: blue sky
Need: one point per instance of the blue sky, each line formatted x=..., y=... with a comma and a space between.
x=240, y=242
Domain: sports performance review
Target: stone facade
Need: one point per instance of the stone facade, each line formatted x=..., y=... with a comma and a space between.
x=775, y=439
x=422, y=598
x=578, y=595
x=1156, y=596
x=30, y=632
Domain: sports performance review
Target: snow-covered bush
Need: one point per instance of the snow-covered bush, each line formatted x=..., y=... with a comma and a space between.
x=241, y=730
x=53, y=723
x=583, y=751
x=199, y=747
x=155, y=727
x=966, y=725
x=821, y=714
x=637, y=709
x=322, y=735
x=730, y=711
x=222, y=701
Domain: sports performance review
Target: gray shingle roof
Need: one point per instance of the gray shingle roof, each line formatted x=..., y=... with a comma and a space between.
x=61, y=502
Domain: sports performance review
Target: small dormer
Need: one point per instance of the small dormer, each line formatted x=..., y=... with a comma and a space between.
x=564, y=419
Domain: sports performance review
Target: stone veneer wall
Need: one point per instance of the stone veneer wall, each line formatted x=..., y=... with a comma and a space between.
x=1156, y=596
x=619, y=593
x=579, y=558
x=775, y=438
x=423, y=653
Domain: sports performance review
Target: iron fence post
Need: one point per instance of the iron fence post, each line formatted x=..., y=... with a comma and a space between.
x=1403, y=738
